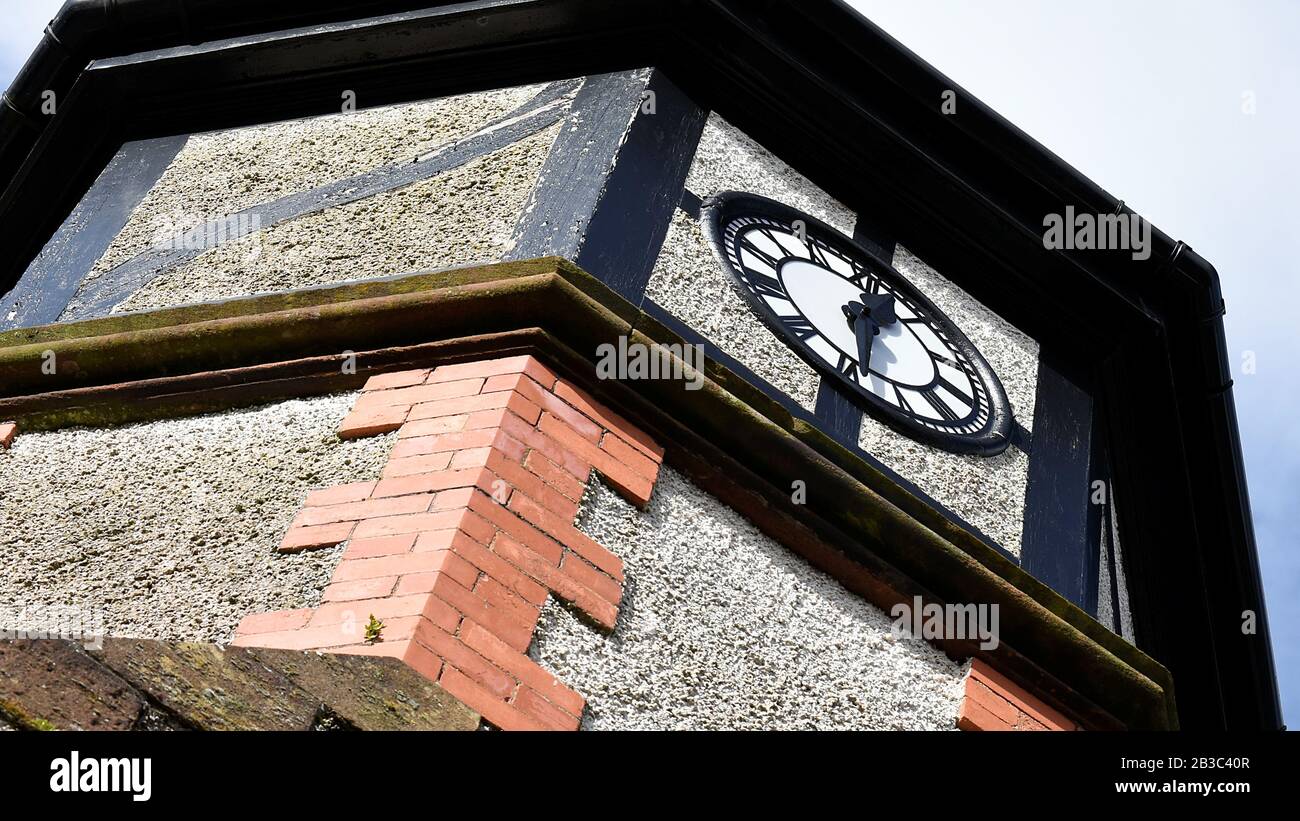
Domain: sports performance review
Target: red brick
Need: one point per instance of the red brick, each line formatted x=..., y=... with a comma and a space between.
x=309, y=638
x=619, y=448
x=362, y=589
x=396, y=379
x=974, y=716
x=529, y=563
x=307, y=538
x=557, y=407
x=554, y=475
x=501, y=622
x=434, y=540
x=1022, y=698
x=426, y=482
x=486, y=419
x=602, y=584
x=451, y=499
x=531, y=537
x=463, y=440
x=499, y=569
x=415, y=655
x=369, y=509
x=502, y=382
x=994, y=703
x=527, y=671
x=585, y=599
x=388, y=607
x=498, y=595
x=636, y=489
x=8, y=430
x=557, y=452
x=528, y=702
x=372, y=421
x=381, y=546
x=435, y=426
x=497, y=713
x=433, y=463
x=516, y=475
x=453, y=565
x=418, y=394
x=477, y=528
x=274, y=622
x=470, y=458
x=515, y=403
x=494, y=367
x=636, y=461
x=480, y=670
x=567, y=535
x=398, y=565
x=459, y=405
x=608, y=419
x=508, y=446
x=565, y=587
x=355, y=492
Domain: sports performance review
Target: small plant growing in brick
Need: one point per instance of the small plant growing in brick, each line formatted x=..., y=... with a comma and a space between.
x=374, y=630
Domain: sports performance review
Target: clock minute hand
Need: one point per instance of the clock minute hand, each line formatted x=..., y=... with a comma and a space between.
x=864, y=330
x=867, y=318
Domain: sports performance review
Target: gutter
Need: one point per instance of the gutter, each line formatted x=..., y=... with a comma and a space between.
x=87, y=30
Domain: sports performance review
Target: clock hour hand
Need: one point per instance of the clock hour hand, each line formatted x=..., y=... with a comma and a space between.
x=866, y=318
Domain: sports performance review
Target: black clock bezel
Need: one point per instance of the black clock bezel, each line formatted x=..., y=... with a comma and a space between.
x=992, y=439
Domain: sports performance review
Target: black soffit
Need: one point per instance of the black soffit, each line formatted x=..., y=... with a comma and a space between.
x=818, y=84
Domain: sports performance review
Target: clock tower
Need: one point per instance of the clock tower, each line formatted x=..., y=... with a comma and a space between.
x=304, y=339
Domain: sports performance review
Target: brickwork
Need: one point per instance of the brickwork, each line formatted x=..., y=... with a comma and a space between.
x=468, y=530
x=994, y=702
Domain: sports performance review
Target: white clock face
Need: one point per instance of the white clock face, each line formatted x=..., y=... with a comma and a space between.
x=852, y=315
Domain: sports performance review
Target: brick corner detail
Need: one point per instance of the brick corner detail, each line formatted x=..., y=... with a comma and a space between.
x=458, y=544
x=994, y=702
x=8, y=430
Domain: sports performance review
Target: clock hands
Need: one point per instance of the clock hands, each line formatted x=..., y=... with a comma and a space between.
x=866, y=318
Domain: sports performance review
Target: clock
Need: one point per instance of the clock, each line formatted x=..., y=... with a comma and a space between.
x=859, y=321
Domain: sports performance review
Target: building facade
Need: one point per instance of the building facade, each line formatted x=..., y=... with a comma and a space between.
x=611, y=368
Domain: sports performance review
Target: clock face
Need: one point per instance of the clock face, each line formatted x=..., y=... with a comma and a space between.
x=856, y=319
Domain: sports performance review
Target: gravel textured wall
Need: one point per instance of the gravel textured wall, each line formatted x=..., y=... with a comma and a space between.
x=688, y=281
x=724, y=628
x=462, y=216
x=456, y=218
x=987, y=492
x=168, y=529
x=223, y=172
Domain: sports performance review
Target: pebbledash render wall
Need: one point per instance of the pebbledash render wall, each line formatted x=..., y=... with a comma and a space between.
x=689, y=283
x=167, y=530
x=457, y=546
x=511, y=538
x=457, y=216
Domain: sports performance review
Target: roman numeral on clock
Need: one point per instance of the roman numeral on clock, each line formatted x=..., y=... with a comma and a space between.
x=941, y=407
x=764, y=285
x=799, y=326
x=746, y=244
x=848, y=367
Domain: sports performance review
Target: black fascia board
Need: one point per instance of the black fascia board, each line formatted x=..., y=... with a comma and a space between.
x=856, y=111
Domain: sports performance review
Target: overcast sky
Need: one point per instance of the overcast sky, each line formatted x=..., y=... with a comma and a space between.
x=1146, y=98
